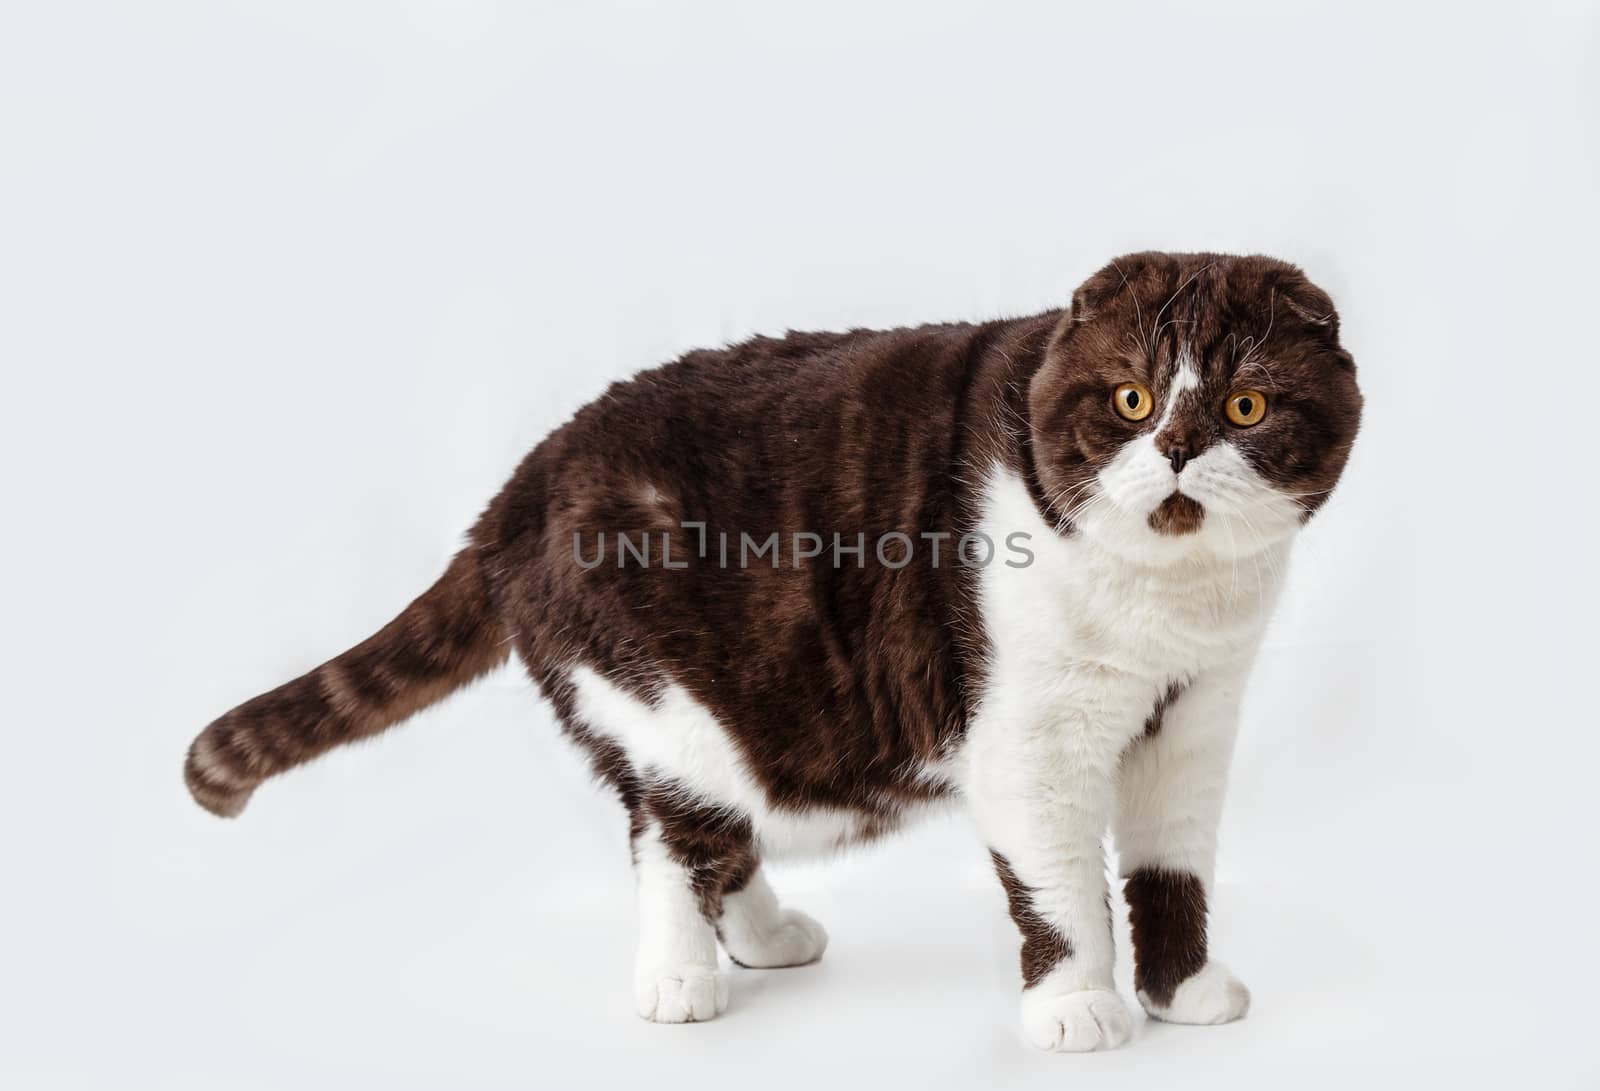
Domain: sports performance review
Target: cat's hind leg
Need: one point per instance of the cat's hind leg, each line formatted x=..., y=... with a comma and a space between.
x=758, y=932
x=700, y=880
x=676, y=977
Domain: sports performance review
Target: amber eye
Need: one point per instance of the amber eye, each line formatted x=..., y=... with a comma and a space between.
x=1246, y=407
x=1133, y=401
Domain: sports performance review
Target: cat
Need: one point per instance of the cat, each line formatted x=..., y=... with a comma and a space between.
x=791, y=594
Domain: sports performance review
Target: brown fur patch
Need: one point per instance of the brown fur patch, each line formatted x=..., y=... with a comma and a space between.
x=1152, y=723
x=1167, y=912
x=716, y=847
x=1178, y=514
x=812, y=668
x=1043, y=947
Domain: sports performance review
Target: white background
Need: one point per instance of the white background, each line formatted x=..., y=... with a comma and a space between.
x=287, y=288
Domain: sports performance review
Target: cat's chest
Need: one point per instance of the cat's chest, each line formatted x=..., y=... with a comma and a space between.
x=1075, y=604
x=1098, y=615
x=1071, y=607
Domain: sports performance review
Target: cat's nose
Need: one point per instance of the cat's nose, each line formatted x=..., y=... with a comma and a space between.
x=1177, y=454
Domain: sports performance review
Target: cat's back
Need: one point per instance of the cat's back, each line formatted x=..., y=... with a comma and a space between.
x=737, y=394
x=749, y=432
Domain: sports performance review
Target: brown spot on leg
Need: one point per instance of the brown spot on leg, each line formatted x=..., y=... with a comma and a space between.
x=1152, y=723
x=1043, y=947
x=1167, y=910
x=715, y=846
x=735, y=874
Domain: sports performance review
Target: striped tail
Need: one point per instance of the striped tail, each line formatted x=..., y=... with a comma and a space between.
x=442, y=641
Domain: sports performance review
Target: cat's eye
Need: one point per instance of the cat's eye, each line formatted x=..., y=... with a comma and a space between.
x=1246, y=407
x=1133, y=401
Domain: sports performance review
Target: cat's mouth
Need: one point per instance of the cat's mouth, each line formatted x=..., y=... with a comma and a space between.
x=1177, y=515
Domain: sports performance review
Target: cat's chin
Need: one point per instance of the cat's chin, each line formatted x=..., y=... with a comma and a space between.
x=1177, y=515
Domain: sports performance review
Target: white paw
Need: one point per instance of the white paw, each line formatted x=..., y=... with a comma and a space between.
x=793, y=940
x=1076, y=1022
x=1211, y=996
x=680, y=994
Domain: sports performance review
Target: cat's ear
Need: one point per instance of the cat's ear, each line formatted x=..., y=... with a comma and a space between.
x=1101, y=290
x=1302, y=302
x=1308, y=303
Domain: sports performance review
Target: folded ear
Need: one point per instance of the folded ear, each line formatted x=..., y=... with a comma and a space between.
x=1310, y=304
x=1121, y=275
x=1297, y=301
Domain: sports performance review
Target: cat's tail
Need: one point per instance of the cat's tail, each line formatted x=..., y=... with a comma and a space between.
x=446, y=638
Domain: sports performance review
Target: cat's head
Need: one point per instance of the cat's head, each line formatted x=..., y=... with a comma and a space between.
x=1192, y=404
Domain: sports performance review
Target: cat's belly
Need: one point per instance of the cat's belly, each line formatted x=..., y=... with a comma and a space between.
x=679, y=741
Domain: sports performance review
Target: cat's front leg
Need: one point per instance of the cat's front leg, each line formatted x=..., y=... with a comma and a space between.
x=1170, y=800
x=1042, y=787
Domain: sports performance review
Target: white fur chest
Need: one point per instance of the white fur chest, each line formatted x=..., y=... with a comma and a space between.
x=1078, y=606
